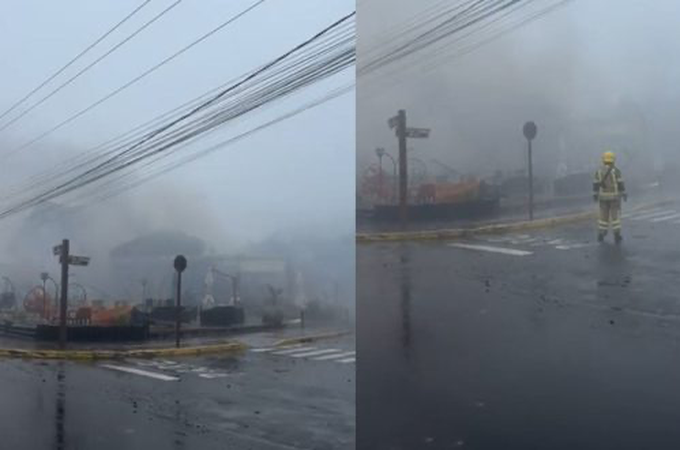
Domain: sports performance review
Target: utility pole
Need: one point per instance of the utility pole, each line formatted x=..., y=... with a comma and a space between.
x=63, y=304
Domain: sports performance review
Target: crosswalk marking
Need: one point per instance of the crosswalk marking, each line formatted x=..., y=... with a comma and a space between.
x=335, y=356
x=653, y=215
x=644, y=212
x=314, y=353
x=486, y=248
x=212, y=376
x=144, y=373
x=665, y=218
x=311, y=353
x=573, y=246
x=271, y=349
x=289, y=351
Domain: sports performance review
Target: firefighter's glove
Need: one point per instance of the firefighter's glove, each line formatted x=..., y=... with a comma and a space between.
x=595, y=197
x=625, y=197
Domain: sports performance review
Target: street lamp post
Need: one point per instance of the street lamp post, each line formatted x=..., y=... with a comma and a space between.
x=234, y=279
x=394, y=174
x=44, y=277
x=380, y=152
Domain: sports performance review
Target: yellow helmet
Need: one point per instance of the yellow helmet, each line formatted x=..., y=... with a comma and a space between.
x=608, y=157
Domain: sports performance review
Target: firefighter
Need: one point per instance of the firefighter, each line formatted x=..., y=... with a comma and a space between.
x=609, y=189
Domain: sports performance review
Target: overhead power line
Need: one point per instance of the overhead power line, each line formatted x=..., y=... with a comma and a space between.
x=72, y=61
x=463, y=36
x=173, y=165
x=72, y=165
x=138, y=78
x=252, y=94
x=91, y=65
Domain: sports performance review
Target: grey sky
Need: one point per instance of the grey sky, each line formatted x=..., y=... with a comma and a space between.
x=590, y=60
x=296, y=175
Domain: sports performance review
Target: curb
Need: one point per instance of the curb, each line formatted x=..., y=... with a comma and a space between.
x=231, y=347
x=311, y=338
x=457, y=233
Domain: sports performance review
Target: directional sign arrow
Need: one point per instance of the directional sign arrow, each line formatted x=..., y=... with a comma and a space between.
x=418, y=132
x=56, y=250
x=79, y=260
x=393, y=121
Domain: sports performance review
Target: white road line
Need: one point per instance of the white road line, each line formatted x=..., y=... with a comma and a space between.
x=665, y=218
x=497, y=240
x=524, y=241
x=573, y=246
x=144, y=373
x=295, y=350
x=645, y=212
x=314, y=353
x=336, y=356
x=651, y=216
x=211, y=376
x=271, y=349
x=347, y=360
x=144, y=363
x=486, y=248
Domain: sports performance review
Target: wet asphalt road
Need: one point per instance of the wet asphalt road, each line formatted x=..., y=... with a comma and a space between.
x=556, y=343
x=249, y=401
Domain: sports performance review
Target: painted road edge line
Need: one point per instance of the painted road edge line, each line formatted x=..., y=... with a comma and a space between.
x=315, y=353
x=335, y=356
x=144, y=373
x=291, y=351
x=490, y=249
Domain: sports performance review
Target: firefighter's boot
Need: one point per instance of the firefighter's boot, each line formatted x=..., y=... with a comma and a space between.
x=617, y=237
x=601, y=235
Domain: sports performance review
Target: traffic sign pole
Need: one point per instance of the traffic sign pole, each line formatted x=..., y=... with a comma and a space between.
x=65, y=259
x=180, y=264
x=64, y=293
x=529, y=131
x=531, y=184
x=403, y=132
x=403, y=168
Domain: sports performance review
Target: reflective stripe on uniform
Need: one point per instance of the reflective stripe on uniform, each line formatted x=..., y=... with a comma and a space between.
x=614, y=177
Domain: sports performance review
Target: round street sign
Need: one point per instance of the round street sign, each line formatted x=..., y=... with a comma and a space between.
x=180, y=263
x=529, y=130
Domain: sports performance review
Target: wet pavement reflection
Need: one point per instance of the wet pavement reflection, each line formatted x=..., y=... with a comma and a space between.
x=559, y=348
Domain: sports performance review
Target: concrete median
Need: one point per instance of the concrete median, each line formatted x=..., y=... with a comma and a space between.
x=101, y=354
x=312, y=338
